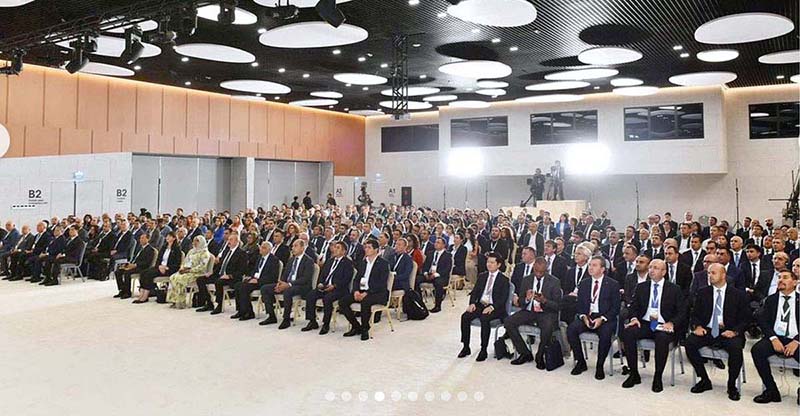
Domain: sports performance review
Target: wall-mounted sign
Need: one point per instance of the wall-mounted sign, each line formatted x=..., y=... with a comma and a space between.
x=121, y=195
x=35, y=197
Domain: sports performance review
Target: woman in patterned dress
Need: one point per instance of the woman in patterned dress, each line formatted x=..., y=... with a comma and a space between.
x=194, y=265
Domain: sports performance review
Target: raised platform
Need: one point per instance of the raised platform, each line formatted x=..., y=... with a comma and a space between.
x=572, y=207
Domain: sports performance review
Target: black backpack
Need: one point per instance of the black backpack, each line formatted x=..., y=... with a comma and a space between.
x=413, y=306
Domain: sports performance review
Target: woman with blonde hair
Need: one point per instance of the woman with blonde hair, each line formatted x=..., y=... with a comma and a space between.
x=194, y=266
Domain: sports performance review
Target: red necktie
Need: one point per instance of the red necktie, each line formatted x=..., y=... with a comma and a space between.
x=595, y=290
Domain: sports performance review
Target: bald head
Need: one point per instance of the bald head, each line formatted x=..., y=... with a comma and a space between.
x=716, y=275
x=657, y=270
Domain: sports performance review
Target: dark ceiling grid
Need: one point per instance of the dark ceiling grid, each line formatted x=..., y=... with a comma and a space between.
x=549, y=44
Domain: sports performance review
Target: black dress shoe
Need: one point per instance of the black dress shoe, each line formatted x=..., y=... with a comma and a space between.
x=464, y=352
x=646, y=354
x=247, y=317
x=35, y=280
x=658, y=385
x=365, y=335
x=325, y=329
x=631, y=381
x=137, y=301
x=52, y=282
x=310, y=327
x=15, y=279
x=540, y=364
x=284, y=324
x=269, y=321
x=733, y=394
x=237, y=315
x=353, y=332
x=118, y=295
x=719, y=364
x=599, y=373
x=436, y=309
x=482, y=355
x=701, y=386
x=217, y=310
x=579, y=368
x=205, y=308
x=768, y=397
x=522, y=359
x=125, y=296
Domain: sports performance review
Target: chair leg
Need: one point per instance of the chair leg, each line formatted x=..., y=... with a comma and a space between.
x=389, y=315
x=680, y=357
x=672, y=369
x=744, y=377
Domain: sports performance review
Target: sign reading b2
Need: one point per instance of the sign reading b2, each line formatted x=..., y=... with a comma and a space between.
x=121, y=194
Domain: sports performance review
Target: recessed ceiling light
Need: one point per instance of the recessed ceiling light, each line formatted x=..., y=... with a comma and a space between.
x=495, y=40
x=609, y=55
x=476, y=30
x=412, y=105
x=759, y=115
x=477, y=69
x=306, y=75
x=281, y=70
x=384, y=65
x=105, y=69
x=315, y=34
x=513, y=49
x=255, y=86
x=743, y=28
x=254, y=64
x=187, y=83
x=360, y=79
x=581, y=74
x=413, y=2
x=215, y=52
x=184, y=59
x=685, y=55
x=795, y=78
x=137, y=67
x=441, y=15
x=783, y=57
x=326, y=94
x=241, y=16
x=703, y=78
x=330, y=106
x=503, y=13
x=365, y=88
x=416, y=45
x=780, y=77
x=537, y=31
x=314, y=102
x=493, y=92
x=336, y=51
x=277, y=98
x=361, y=59
x=423, y=76
x=626, y=82
x=718, y=55
x=348, y=85
x=469, y=104
x=262, y=30
x=436, y=98
x=677, y=48
x=597, y=87
x=346, y=109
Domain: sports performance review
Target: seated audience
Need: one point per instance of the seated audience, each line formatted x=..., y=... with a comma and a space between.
x=296, y=281
x=369, y=288
x=168, y=261
x=264, y=272
x=141, y=258
x=194, y=265
x=487, y=302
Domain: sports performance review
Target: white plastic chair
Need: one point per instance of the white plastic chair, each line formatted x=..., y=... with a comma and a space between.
x=650, y=345
x=73, y=269
x=297, y=300
x=719, y=354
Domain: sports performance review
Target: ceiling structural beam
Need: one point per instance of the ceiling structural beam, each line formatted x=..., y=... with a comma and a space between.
x=400, y=77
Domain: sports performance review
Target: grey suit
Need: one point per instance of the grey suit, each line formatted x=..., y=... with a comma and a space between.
x=546, y=319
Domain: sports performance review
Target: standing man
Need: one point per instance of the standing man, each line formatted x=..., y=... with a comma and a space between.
x=487, y=302
x=557, y=178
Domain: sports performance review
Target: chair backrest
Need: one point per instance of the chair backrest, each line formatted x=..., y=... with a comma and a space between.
x=155, y=259
x=511, y=290
x=280, y=269
x=210, y=266
x=83, y=252
x=315, y=276
x=389, y=285
x=413, y=278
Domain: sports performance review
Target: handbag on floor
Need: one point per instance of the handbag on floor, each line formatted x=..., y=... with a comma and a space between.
x=161, y=295
x=553, y=357
x=414, y=307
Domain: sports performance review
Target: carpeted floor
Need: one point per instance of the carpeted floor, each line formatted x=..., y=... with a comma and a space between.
x=73, y=350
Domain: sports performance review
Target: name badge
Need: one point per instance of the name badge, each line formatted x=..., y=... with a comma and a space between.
x=653, y=313
x=433, y=269
x=781, y=327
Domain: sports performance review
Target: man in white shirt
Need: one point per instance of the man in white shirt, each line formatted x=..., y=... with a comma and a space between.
x=487, y=302
x=737, y=251
x=779, y=322
x=370, y=287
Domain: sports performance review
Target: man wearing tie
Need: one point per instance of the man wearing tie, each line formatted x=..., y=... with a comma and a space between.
x=524, y=267
x=613, y=250
x=70, y=255
x=719, y=318
x=436, y=270
x=334, y=284
x=265, y=272
x=232, y=265
x=141, y=258
x=737, y=251
x=487, y=302
x=19, y=252
x=556, y=265
x=7, y=244
x=402, y=266
x=627, y=265
x=677, y=272
x=326, y=246
x=779, y=322
x=752, y=270
x=369, y=288
x=538, y=296
x=694, y=256
x=355, y=250
x=40, y=243
x=571, y=282
x=296, y=281
x=121, y=248
x=657, y=312
x=597, y=309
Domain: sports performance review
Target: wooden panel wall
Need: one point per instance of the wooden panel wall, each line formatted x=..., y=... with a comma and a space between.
x=50, y=112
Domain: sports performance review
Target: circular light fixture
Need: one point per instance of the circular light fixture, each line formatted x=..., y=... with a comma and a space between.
x=718, y=55
x=249, y=97
x=557, y=85
x=469, y=104
x=703, y=78
x=626, y=82
x=551, y=98
x=783, y=57
x=492, y=84
x=242, y=16
x=114, y=47
x=639, y=91
x=326, y=94
x=312, y=35
x=412, y=105
x=146, y=26
x=440, y=98
x=5, y=140
x=609, y=55
x=414, y=91
x=366, y=113
x=493, y=92
x=502, y=13
x=795, y=78
x=477, y=69
x=98, y=68
x=255, y=86
x=743, y=28
x=360, y=79
x=13, y=3
x=581, y=74
x=215, y=52
x=320, y=102
x=303, y=4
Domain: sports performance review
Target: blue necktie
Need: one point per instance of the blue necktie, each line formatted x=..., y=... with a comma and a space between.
x=654, y=305
x=715, y=316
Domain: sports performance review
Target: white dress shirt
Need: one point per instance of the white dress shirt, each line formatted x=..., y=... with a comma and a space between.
x=773, y=285
x=651, y=309
x=780, y=318
x=486, y=298
x=367, y=272
x=165, y=257
x=718, y=293
x=594, y=306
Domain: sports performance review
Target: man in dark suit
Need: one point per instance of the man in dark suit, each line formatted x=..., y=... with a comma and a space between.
x=694, y=257
x=141, y=259
x=597, y=309
x=627, y=264
x=233, y=266
x=547, y=229
x=7, y=244
x=19, y=252
x=334, y=284
x=684, y=238
x=571, y=282
x=613, y=251
x=402, y=266
x=752, y=269
x=184, y=242
x=280, y=250
x=42, y=262
x=39, y=245
x=71, y=254
x=677, y=272
x=487, y=302
x=720, y=315
x=524, y=267
x=264, y=272
x=556, y=265
x=656, y=249
x=658, y=312
x=436, y=271
x=499, y=246
x=355, y=250
x=532, y=239
x=98, y=255
x=701, y=279
x=121, y=248
x=779, y=320
x=768, y=281
x=297, y=278
x=734, y=273
x=369, y=288
x=538, y=296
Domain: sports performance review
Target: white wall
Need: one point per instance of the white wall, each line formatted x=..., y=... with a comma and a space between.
x=675, y=176
x=51, y=177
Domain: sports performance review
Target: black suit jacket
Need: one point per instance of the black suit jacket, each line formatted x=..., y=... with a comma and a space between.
x=500, y=291
x=106, y=243
x=673, y=306
x=500, y=247
x=550, y=288
x=539, y=244
x=186, y=245
x=342, y=276
x=568, y=283
x=378, y=276
x=72, y=250
x=629, y=288
x=687, y=257
x=123, y=242
x=750, y=279
x=606, y=250
x=518, y=273
x=652, y=253
x=356, y=252
x=768, y=313
x=736, y=313
x=268, y=272
x=174, y=259
x=25, y=243
x=144, y=257
x=41, y=245
x=443, y=266
x=683, y=277
x=559, y=267
x=305, y=272
x=608, y=299
x=237, y=264
x=460, y=261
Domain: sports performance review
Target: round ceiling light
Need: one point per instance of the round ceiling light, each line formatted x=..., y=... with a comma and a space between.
x=319, y=102
x=702, y=78
x=469, y=104
x=114, y=47
x=795, y=78
x=414, y=91
x=783, y=57
x=491, y=92
x=215, y=52
x=98, y=68
x=249, y=97
x=718, y=55
x=5, y=140
x=326, y=94
x=581, y=74
x=360, y=79
x=13, y=3
x=502, y=13
x=299, y=3
x=626, y=82
x=557, y=85
x=312, y=35
x=367, y=113
x=609, y=55
x=477, y=69
x=638, y=91
x=492, y=84
x=440, y=98
x=743, y=28
x=242, y=16
x=146, y=26
x=551, y=98
x=255, y=86
x=412, y=105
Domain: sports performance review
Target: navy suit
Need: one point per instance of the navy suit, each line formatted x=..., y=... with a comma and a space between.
x=608, y=303
x=266, y=271
x=9, y=242
x=402, y=268
x=443, y=266
x=341, y=277
x=377, y=292
x=40, y=264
